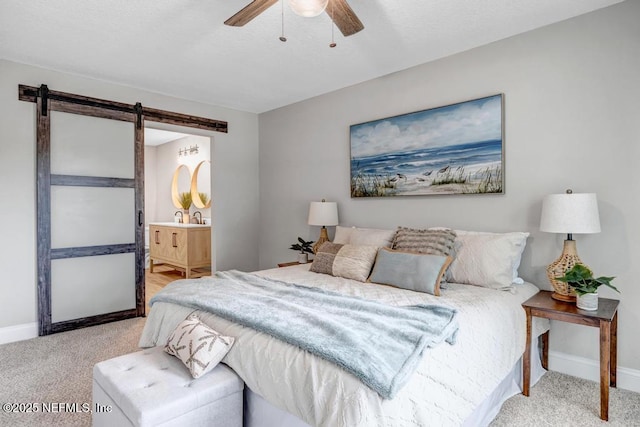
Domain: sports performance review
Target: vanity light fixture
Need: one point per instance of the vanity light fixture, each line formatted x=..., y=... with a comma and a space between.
x=188, y=151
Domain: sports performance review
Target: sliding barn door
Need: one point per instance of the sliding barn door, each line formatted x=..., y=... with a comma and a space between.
x=90, y=207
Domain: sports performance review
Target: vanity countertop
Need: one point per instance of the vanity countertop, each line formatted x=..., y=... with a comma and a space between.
x=178, y=224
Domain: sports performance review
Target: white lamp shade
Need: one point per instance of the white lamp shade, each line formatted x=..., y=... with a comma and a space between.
x=323, y=213
x=308, y=8
x=570, y=213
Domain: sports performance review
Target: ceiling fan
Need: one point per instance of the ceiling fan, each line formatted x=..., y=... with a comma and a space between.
x=338, y=10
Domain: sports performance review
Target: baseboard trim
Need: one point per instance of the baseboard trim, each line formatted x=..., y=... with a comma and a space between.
x=589, y=369
x=18, y=332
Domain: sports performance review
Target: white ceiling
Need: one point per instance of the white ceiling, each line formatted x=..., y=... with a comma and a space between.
x=181, y=47
x=156, y=137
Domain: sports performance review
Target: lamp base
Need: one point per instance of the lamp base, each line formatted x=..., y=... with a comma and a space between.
x=566, y=298
x=324, y=237
x=569, y=258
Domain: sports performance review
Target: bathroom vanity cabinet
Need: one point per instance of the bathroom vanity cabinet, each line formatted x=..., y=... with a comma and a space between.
x=185, y=246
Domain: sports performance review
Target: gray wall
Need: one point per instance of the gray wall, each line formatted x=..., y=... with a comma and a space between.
x=571, y=95
x=234, y=180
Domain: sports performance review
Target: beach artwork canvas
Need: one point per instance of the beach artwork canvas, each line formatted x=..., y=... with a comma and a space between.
x=454, y=149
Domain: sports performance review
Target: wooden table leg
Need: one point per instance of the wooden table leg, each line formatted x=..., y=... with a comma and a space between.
x=605, y=353
x=545, y=350
x=526, y=357
x=613, y=363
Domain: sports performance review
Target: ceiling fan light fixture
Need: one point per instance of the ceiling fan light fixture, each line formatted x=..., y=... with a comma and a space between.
x=308, y=8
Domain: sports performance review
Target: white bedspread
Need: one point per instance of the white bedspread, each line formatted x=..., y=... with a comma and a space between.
x=449, y=383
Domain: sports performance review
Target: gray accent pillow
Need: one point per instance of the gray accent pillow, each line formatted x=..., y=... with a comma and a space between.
x=435, y=242
x=408, y=270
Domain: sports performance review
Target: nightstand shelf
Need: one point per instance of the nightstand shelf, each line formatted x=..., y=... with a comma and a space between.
x=292, y=263
x=605, y=318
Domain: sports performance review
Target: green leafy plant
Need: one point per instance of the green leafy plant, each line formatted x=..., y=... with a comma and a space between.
x=204, y=198
x=581, y=279
x=303, y=246
x=184, y=199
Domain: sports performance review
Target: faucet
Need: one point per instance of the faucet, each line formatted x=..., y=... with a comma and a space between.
x=181, y=217
x=199, y=220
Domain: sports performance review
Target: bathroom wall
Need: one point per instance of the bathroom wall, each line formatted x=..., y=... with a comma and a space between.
x=160, y=166
x=150, y=194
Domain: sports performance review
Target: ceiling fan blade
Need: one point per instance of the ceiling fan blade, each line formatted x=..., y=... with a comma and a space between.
x=250, y=11
x=344, y=17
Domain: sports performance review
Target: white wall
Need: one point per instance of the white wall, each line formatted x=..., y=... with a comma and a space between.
x=571, y=96
x=150, y=178
x=235, y=155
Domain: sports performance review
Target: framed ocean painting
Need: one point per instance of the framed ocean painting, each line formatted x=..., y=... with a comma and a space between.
x=454, y=149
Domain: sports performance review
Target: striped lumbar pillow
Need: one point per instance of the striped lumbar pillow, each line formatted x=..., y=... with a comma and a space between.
x=432, y=241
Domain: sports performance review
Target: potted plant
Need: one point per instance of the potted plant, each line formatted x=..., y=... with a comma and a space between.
x=581, y=280
x=305, y=248
x=185, y=202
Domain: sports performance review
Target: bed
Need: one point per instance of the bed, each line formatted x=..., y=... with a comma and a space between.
x=460, y=384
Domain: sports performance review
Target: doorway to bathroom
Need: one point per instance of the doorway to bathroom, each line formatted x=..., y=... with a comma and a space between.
x=90, y=205
x=177, y=174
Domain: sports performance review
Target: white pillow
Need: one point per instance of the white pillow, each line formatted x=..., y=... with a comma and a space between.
x=198, y=346
x=364, y=236
x=487, y=259
x=343, y=235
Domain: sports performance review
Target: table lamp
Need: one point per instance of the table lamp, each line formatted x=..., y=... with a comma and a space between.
x=568, y=213
x=324, y=214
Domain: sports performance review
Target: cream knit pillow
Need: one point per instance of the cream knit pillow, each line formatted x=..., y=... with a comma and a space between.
x=198, y=346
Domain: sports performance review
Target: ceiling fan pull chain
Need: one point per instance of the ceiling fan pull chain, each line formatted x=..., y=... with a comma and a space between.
x=282, y=38
x=333, y=26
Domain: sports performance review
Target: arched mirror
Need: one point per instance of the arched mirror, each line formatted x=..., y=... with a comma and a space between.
x=201, y=185
x=180, y=184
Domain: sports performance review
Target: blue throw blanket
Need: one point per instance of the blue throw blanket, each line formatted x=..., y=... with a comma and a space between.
x=379, y=344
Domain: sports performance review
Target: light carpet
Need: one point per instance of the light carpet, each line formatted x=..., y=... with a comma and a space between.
x=58, y=369
x=562, y=400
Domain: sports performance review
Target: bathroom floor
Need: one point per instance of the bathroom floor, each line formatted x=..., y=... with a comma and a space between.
x=162, y=275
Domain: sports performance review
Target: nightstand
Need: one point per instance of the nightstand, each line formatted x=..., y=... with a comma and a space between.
x=605, y=318
x=289, y=264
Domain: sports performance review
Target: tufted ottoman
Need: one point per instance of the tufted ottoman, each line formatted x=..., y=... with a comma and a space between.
x=152, y=388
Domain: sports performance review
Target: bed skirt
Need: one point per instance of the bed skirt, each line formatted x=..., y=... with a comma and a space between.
x=260, y=413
